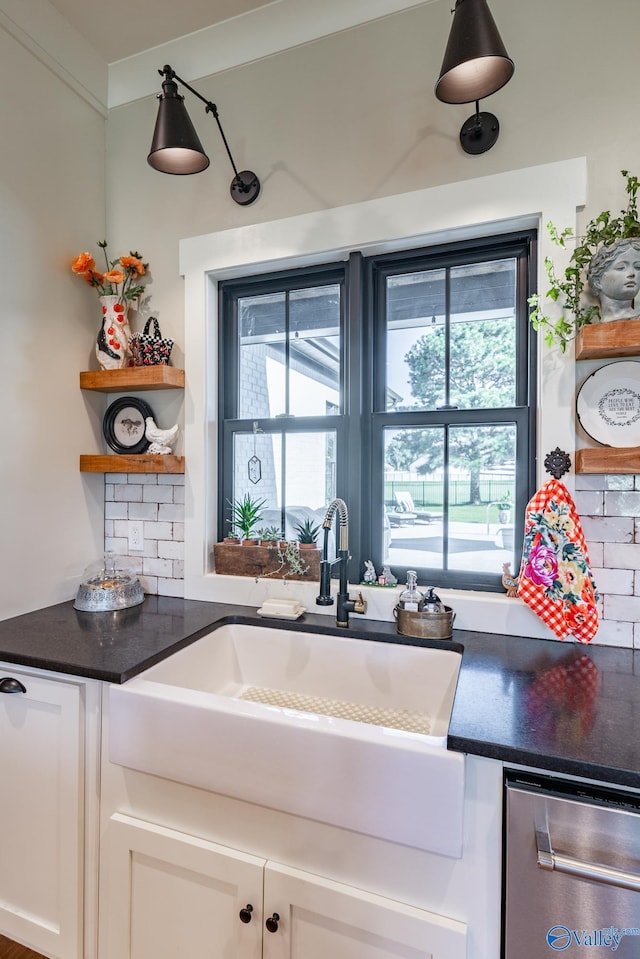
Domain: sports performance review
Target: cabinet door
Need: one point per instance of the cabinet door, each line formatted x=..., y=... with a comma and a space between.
x=319, y=918
x=169, y=894
x=41, y=814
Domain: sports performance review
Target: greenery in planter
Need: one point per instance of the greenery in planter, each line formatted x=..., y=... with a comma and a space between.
x=269, y=534
x=246, y=513
x=289, y=560
x=307, y=532
x=568, y=289
x=505, y=501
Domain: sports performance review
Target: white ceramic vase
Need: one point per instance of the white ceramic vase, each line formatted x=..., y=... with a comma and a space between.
x=112, y=345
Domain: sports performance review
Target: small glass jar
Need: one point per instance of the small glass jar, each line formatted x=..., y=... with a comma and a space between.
x=411, y=598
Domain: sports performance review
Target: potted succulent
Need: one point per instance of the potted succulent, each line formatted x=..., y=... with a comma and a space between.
x=269, y=534
x=568, y=289
x=246, y=513
x=306, y=534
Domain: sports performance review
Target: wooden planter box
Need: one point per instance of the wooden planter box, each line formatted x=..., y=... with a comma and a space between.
x=233, y=559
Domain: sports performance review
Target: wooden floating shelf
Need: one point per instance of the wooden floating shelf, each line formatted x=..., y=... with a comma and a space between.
x=136, y=378
x=608, y=459
x=608, y=340
x=140, y=463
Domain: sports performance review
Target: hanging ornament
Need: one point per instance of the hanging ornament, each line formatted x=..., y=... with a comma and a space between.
x=254, y=466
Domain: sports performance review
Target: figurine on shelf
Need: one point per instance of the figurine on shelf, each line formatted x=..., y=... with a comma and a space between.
x=161, y=440
x=369, y=572
x=389, y=578
x=509, y=581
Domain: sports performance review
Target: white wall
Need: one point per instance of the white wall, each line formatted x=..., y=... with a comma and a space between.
x=52, y=202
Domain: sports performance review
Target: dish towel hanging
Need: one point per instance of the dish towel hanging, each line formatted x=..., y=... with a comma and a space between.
x=555, y=576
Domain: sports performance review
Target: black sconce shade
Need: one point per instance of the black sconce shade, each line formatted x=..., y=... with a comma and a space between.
x=175, y=147
x=476, y=62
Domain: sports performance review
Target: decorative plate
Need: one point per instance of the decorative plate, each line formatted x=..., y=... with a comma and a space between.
x=124, y=425
x=608, y=404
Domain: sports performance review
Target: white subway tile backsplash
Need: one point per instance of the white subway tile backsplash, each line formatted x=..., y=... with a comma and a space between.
x=622, y=555
x=116, y=510
x=171, y=587
x=609, y=508
x=612, y=633
x=591, y=503
x=169, y=549
x=624, y=608
x=158, y=494
x=157, y=567
x=617, y=581
x=170, y=513
x=131, y=492
x=622, y=504
x=608, y=529
x=601, y=482
x=143, y=511
x=157, y=530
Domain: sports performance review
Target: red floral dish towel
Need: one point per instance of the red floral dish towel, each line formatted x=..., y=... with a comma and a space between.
x=555, y=576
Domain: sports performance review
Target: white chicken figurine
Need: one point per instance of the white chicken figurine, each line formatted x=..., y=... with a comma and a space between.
x=161, y=440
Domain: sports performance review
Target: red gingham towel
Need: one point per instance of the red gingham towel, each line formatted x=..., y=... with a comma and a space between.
x=555, y=575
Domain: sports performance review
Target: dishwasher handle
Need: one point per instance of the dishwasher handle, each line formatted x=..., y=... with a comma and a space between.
x=553, y=861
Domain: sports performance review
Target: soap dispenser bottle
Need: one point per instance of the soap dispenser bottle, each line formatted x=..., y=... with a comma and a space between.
x=411, y=598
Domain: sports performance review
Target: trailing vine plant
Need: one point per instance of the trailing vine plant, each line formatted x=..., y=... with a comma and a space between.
x=568, y=288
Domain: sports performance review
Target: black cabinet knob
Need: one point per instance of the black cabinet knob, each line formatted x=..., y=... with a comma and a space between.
x=272, y=922
x=245, y=914
x=10, y=685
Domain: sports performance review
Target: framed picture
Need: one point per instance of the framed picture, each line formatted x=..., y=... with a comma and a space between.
x=124, y=425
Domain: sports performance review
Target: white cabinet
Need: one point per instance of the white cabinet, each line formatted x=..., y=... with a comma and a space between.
x=169, y=894
x=41, y=812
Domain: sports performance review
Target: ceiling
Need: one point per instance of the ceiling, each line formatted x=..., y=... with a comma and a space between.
x=147, y=23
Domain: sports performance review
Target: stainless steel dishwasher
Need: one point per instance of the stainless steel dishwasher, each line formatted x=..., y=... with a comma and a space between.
x=571, y=870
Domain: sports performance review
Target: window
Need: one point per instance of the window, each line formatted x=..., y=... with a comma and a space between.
x=401, y=383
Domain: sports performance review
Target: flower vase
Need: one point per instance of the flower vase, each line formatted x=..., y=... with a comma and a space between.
x=112, y=345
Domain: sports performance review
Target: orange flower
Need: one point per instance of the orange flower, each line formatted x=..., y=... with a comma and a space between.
x=113, y=276
x=83, y=263
x=132, y=265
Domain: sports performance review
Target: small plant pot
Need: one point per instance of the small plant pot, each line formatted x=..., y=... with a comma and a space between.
x=250, y=542
x=504, y=516
x=307, y=546
x=231, y=540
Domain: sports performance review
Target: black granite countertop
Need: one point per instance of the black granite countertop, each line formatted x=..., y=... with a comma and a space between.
x=557, y=706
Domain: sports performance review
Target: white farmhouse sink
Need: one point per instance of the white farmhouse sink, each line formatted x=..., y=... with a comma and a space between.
x=343, y=730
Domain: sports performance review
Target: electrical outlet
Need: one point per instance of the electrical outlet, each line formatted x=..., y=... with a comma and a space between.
x=136, y=535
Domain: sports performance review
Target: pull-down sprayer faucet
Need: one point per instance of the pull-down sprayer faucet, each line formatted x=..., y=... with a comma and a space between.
x=346, y=605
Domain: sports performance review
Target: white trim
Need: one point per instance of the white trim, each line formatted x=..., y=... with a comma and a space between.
x=55, y=43
x=482, y=206
x=252, y=36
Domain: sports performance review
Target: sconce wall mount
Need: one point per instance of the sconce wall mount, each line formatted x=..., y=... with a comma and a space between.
x=176, y=147
x=475, y=65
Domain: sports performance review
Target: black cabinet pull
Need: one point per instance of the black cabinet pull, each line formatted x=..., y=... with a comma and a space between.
x=272, y=922
x=245, y=914
x=10, y=685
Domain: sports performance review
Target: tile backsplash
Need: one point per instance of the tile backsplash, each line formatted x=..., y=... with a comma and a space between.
x=609, y=507
x=156, y=500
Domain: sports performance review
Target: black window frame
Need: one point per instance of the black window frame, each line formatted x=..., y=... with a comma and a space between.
x=361, y=423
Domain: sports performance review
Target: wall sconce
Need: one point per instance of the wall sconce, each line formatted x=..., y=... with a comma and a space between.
x=175, y=147
x=475, y=65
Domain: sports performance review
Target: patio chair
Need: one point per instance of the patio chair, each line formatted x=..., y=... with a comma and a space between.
x=406, y=507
